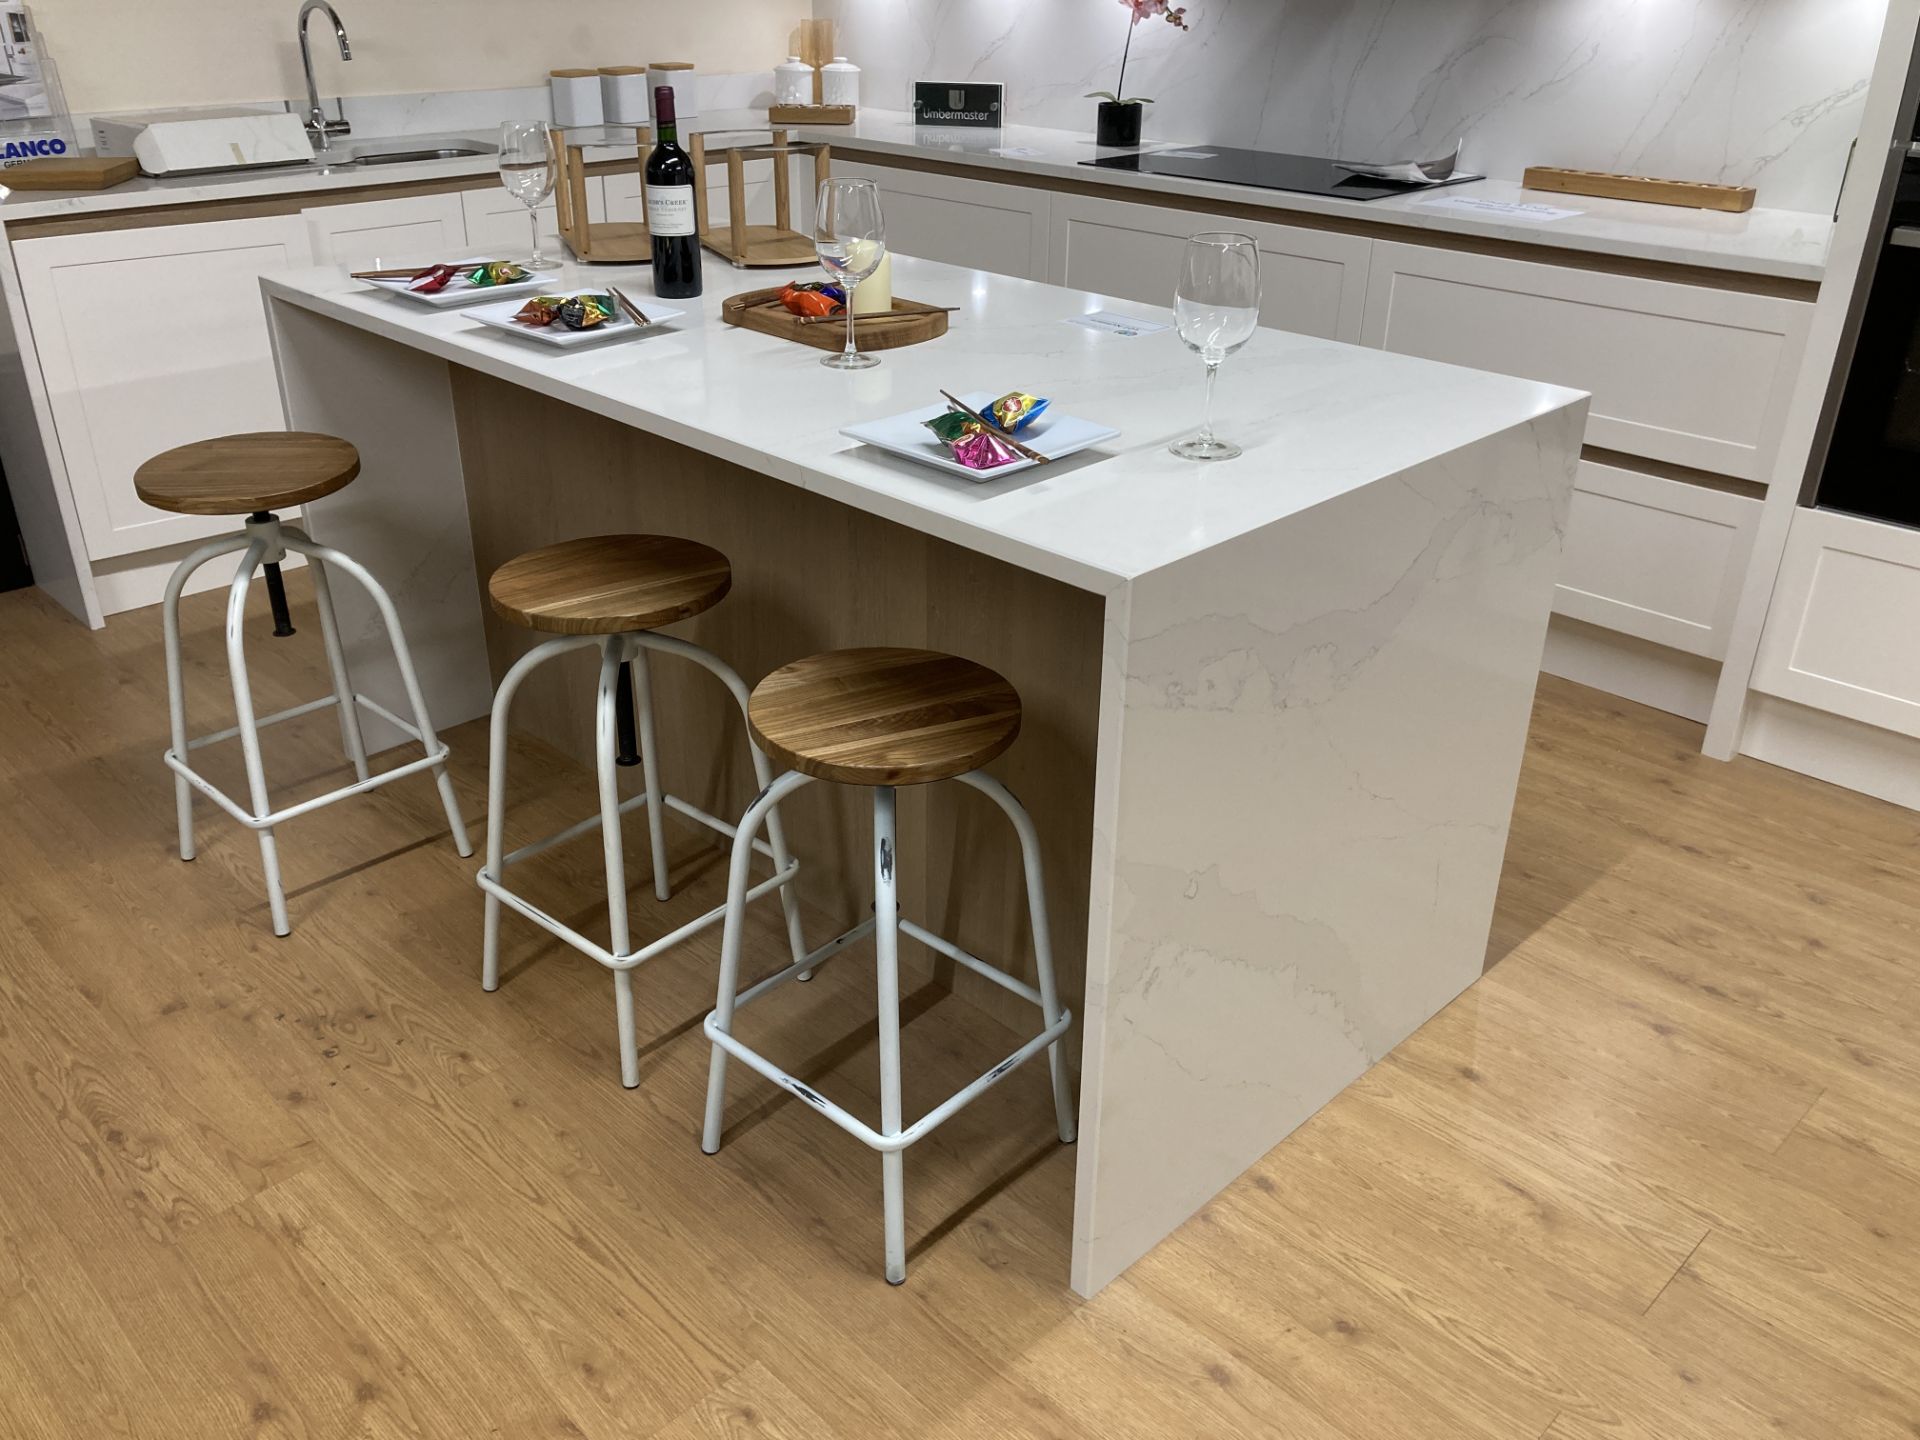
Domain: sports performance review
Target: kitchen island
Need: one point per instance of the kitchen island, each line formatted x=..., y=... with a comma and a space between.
x=1275, y=708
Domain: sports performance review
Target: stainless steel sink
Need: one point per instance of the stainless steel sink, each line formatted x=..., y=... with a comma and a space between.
x=403, y=157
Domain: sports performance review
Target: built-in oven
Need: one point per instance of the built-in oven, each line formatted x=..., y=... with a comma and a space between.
x=1872, y=464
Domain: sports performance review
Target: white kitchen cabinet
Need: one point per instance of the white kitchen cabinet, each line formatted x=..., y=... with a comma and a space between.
x=1689, y=374
x=399, y=231
x=1839, y=632
x=1313, y=282
x=1659, y=558
x=149, y=338
x=977, y=223
x=496, y=223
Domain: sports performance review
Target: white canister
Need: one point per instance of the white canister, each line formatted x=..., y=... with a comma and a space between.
x=840, y=83
x=793, y=82
x=679, y=75
x=624, y=95
x=576, y=96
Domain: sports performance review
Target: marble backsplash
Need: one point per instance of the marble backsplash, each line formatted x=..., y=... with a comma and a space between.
x=1754, y=92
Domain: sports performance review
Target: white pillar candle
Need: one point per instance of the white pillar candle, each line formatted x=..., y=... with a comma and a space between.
x=874, y=295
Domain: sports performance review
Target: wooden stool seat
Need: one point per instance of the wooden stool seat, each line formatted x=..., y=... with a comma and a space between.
x=245, y=474
x=610, y=584
x=884, y=716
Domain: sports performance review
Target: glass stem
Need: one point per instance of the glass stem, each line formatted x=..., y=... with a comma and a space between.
x=852, y=349
x=533, y=217
x=1206, y=425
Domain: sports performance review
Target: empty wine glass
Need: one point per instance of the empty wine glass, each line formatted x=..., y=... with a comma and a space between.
x=851, y=239
x=1216, y=306
x=526, y=169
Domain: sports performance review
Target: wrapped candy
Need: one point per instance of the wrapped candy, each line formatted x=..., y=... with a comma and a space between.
x=432, y=280
x=497, y=272
x=575, y=312
x=979, y=448
x=585, y=312
x=540, y=312
x=813, y=298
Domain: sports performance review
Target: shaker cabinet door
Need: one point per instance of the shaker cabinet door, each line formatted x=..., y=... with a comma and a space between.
x=496, y=223
x=1312, y=282
x=976, y=223
x=149, y=338
x=368, y=234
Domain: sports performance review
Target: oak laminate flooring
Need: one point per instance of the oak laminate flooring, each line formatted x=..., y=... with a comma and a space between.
x=1655, y=1176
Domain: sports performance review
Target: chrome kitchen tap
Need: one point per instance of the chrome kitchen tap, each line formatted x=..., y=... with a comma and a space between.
x=319, y=127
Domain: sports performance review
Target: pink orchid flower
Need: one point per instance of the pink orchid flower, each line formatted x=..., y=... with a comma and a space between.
x=1138, y=10
x=1148, y=9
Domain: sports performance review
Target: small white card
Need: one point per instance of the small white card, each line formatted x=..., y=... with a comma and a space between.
x=1112, y=322
x=1187, y=154
x=1500, y=209
x=1015, y=152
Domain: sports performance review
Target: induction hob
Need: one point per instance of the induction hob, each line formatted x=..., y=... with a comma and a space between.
x=1264, y=170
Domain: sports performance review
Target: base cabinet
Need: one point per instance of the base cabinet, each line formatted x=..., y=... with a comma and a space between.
x=149, y=338
x=389, y=232
x=1313, y=282
x=978, y=223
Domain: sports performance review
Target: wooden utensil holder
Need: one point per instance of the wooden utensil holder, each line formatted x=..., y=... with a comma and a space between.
x=604, y=242
x=755, y=247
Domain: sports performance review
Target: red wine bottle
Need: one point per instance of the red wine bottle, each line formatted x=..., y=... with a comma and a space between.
x=670, y=220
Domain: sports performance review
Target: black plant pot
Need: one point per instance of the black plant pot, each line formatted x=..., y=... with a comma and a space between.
x=1119, y=124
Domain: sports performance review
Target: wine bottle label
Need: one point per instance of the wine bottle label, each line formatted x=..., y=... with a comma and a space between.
x=670, y=209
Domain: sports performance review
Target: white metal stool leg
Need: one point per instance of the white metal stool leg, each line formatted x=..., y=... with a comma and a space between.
x=299, y=541
x=605, y=737
x=650, y=774
x=497, y=792
x=176, y=680
x=249, y=732
x=1050, y=1009
x=350, y=737
x=886, y=944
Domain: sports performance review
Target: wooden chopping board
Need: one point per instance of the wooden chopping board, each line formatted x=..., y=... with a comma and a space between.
x=70, y=172
x=908, y=323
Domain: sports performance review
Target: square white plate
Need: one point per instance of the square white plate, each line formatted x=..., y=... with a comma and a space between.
x=462, y=291
x=500, y=317
x=1054, y=435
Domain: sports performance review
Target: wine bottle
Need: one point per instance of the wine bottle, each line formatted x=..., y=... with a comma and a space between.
x=670, y=220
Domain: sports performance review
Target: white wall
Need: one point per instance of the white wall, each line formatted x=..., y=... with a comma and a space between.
x=1760, y=92
x=143, y=54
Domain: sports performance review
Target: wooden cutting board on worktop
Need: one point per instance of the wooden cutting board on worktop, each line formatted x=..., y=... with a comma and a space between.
x=70, y=172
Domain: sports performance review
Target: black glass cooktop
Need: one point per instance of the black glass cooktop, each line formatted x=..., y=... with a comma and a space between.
x=1263, y=170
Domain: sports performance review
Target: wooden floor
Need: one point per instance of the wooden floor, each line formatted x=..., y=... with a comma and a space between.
x=1658, y=1175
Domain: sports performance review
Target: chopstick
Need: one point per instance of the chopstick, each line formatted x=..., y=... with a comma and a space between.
x=406, y=274
x=634, y=312
x=1024, y=451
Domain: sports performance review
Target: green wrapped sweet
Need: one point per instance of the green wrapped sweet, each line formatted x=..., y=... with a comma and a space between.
x=497, y=272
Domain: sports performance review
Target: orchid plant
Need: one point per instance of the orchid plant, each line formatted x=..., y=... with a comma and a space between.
x=1138, y=10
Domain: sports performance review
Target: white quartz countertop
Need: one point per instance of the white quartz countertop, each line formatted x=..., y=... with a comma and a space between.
x=1318, y=419
x=1788, y=244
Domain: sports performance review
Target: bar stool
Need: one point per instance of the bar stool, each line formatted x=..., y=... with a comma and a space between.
x=883, y=718
x=610, y=592
x=253, y=475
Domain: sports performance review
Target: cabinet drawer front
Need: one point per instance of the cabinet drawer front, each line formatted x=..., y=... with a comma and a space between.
x=1312, y=282
x=1657, y=558
x=496, y=223
x=976, y=223
x=150, y=338
x=1682, y=373
x=402, y=231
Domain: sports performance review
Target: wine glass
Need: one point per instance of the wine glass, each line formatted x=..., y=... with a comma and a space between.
x=526, y=169
x=851, y=239
x=1216, y=305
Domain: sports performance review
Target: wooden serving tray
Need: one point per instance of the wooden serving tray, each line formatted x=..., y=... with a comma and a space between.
x=909, y=323
x=1605, y=185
